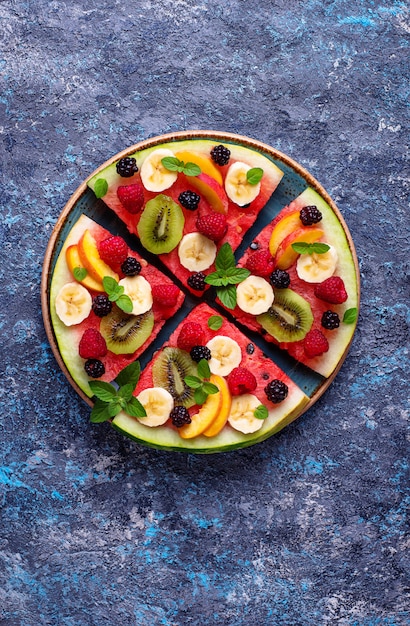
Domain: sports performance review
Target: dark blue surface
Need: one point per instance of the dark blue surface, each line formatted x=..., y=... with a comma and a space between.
x=310, y=527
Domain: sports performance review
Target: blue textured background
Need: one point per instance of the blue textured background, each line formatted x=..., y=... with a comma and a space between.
x=308, y=528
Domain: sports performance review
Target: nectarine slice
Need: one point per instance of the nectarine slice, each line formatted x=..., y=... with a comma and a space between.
x=206, y=414
x=282, y=229
x=91, y=260
x=73, y=262
x=211, y=190
x=285, y=255
x=224, y=409
x=205, y=163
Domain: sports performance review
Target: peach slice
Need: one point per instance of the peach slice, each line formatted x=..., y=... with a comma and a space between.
x=206, y=415
x=285, y=255
x=211, y=190
x=224, y=409
x=73, y=262
x=205, y=163
x=282, y=229
x=91, y=260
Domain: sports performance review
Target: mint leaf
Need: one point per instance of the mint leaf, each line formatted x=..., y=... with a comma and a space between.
x=191, y=169
x=134, y=408
x=200, y=396
x=261, y=412
x=125, y=392
x=350, y=316
x=236, y=275
x=227, y=296
x=172, y=164
x=215, y=322
x=254, y=175
x=110, y=285
x=217, y=279
x=193, y=381
x=102, y=390
x=225, y=258
x=203, y=369
x=124, y=302
x=99, y=412
x=79, y=273
x=209, y=388
x=129, y=375
x=114, y=407
x=302, y=247
x=100, y=187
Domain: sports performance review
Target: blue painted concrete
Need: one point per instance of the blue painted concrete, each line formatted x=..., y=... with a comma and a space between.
x=308, y=528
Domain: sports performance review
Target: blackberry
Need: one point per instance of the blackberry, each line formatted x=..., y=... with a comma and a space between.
x=189, y=200
x=330, y=320
x=220, y=155
x=131, y=267
x=310, y=215
x=279, y=279
x=101, y=305
x=127, y=167
x=180, y=416
x=276, y=391
x=94, y=368
x=250, y=348
x=197, y=281
x=200, y=352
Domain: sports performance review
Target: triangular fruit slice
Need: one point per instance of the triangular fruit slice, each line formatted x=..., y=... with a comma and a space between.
x=184, y=214
x=253, y=397
x=308, y=292
x=96, y=338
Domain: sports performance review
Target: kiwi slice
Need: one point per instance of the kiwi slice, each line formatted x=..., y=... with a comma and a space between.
x=169, y=371
x=161, y=225
x=125, y=333
x=289, y=318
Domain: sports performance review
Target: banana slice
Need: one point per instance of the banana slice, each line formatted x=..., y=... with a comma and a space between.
x=154, y=176
x=225, y=355
x=73, y=303
x=315, y=268
x=236, y=184
x=158, y=404
x=254, y=295
x=139, y=290
x=196, y=252
x=242, y=416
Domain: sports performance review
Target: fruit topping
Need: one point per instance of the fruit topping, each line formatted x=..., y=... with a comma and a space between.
x=212, y=225
x=315, y=267
x=289, y=318
x=254, y=295
x=161, y=225
x=73, y=303
x=113, y=250
x=101, y=305
x=330, y=320
x=158, y=404
x=225, y=355
x=154, y=175
x=286, y=255
x=180, y=416
x=196, y=252
x=94, y=368
x=241, y=380
x=260, y=263
x=310, y=215
x=138, y=289
x=190, y=335
x=237, y=185
x=92, y=344
x=131, y=266
x=125, y=333
x=131, y=197
x=207, y=414
x=220, y=155
x=165, y=295
x=127, y=167
x=276, y=391
x=91, y=259
x=170, y=370
x=197, y=281
x=332, y=290
x=242, y=415
x=315, y=343
x=279, y=279
x=200, y=352
x=189, y=200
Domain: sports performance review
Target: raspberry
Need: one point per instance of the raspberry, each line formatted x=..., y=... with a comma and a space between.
x=113, y=250
x=131, y=197
x=330, y=320
x=276, y=391
x=180, y=416
x=213, y=226
x=127, y=167
x=197, y=281
x=200, y=352
x=165, y=295
x=94, y=368
x=92, y=344
x=189, y=200
x=240, y=381
x=279, y=279
x=220, y=155
x=310, y=215
x=191, y=334
x=131, y=267
x=260, y=263
x=315, y=343
x=101, y=305
x=332, y=290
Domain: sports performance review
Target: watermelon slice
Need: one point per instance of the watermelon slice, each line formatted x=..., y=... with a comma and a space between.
x=68, y=337
x=239, y=219
x=251, y=358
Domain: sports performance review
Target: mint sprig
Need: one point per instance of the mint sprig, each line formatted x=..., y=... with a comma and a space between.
x=100, y=187
x=350, y=316
x=226, y=276
x=215, y=322
x=173, y=164
x=302, y=247
x=79, y=273
x=254, y=175
x=261, y=412
x=115, y=293
x=111, y=399
x=203, y=388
